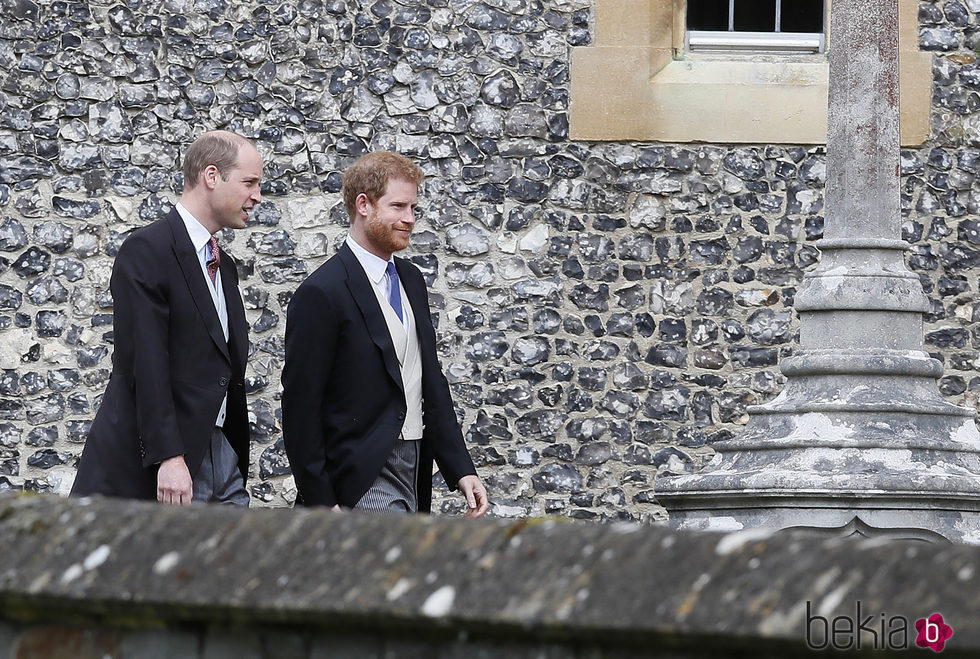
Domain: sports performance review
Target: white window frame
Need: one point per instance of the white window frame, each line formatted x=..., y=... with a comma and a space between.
x=767, y=42
x=792, y=42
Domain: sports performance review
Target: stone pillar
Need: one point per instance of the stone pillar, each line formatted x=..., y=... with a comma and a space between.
x=860, y=440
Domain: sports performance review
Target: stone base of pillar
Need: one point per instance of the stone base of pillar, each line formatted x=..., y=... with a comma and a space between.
x=865, y=517
x=891, y=473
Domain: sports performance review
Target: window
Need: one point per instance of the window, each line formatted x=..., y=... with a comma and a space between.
x=755, y=25
x=637, y=81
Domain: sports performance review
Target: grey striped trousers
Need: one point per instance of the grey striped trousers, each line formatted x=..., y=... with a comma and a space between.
x=394, y=488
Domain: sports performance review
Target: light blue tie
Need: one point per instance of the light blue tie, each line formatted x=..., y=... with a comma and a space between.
x=394, y=295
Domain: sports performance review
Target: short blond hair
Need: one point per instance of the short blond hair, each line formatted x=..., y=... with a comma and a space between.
x=370, y=175
x=217, y=147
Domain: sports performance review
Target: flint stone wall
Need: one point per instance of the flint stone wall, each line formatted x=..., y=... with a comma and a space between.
x=604, y=310
x=97, y=578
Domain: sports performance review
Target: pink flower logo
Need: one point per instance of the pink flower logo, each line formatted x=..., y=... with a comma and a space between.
x=933, y=632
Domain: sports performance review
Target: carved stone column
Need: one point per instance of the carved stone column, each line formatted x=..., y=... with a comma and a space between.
x=860, y=439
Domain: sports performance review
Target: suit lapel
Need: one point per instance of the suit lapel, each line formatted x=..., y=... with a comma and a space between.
x=237, y=328
x=360, y=288
x=419, y=301
x=190, y=266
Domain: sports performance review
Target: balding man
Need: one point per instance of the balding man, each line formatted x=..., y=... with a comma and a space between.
x=173, y=425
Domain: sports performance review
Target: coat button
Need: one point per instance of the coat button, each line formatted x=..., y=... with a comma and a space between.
x=223, y=382
x=401, y=417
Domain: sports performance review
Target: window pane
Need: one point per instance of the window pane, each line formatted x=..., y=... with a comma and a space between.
x=756, y=15
x=802, y=15
x=707, y=14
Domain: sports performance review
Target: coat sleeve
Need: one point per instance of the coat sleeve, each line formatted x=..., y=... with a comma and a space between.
x=442, y=431
x=141, y=318
x=311, y=337
x=441, y=426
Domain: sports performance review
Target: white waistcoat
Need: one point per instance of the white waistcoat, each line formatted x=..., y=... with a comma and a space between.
x=409, y=361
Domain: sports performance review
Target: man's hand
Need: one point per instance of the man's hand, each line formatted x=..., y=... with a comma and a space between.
x=174, y=484
x=476, y=495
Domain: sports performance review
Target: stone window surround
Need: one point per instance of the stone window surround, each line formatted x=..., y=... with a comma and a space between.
x=628, y=85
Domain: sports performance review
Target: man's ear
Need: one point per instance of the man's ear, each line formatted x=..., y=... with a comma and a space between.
x=211, y=175
x=361, y=203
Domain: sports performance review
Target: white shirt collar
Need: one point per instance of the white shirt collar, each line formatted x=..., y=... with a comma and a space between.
x=199, y=235
x=373, y=266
